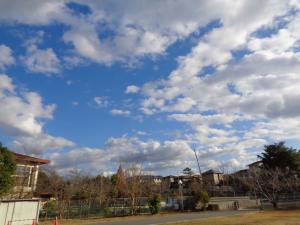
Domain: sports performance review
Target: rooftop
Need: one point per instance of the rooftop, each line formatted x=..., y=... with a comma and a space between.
x=211, y=171
x=21, y=157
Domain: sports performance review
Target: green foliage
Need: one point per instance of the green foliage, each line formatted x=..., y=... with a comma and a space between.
x=277, y=155
x=203, y=197
x=187, y=171
x=7, y=169
x=154, y=203
x=114, y=179
x=213, y=207
x=239, y=184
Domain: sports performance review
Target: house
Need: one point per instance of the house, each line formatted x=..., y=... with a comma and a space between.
x=187, y=182
x=26, y=176
x=151, y=179
x=242, y=174
x=212, y=177
x=255, y=165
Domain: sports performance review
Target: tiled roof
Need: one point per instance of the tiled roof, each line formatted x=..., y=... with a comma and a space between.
x=27, y=158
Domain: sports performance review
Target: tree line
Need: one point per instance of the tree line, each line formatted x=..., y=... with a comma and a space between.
x=277, y=173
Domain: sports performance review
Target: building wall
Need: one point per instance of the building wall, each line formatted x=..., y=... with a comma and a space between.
x=25, y=181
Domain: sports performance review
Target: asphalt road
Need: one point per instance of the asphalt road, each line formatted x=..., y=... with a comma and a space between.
x=178, y=217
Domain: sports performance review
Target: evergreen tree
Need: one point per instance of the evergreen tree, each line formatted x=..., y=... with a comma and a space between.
x=279, y=156
x=7, y=169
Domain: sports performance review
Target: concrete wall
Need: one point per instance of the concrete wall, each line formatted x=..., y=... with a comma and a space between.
x=19, y=212
x=228, y=203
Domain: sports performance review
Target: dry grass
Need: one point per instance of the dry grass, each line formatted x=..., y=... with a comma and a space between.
x=282, y=217
x=95, y=220
x=291, y=217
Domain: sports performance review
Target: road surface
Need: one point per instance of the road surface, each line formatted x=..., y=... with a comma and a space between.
x=167, y=218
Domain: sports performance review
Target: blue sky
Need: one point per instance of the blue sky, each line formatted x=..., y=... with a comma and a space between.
x=92, y=84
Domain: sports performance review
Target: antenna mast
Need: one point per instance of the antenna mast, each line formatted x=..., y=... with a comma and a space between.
x=198, y=163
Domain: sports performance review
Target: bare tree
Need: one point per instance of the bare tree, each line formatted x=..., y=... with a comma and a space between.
x=271, y=183
x=134, y=185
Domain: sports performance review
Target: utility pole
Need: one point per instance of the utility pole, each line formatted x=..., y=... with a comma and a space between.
x=180, y=183
x=200, y=173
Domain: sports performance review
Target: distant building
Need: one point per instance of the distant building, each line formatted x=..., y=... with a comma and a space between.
x=254, y=165
x=26, y=176
x=188, y=182
x=244, y=173
x=151, y=179
x=241, y=174
x=212, y=177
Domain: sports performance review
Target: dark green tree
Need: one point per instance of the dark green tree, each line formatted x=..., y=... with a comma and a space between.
x=202, y=197
x=154, y=203
x=279, y=156
x=187, y=171
x=7, y=169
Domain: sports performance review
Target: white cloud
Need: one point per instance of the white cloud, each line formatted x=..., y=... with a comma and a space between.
x=143, y=28
x=247, y=101
x=21, y=113
x=132, y=89
x=40, y=60
x=126, y=150
x=21, y=12
x=38, y=144
x=101, y=101
x=22, y=116
x=6, y=57
x=120, y=112
x=87, y=158
x=259, y=89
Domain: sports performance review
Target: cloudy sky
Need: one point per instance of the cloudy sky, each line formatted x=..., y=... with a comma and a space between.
x=91, y=84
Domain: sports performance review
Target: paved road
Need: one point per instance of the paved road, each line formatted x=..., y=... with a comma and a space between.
x=178, y=217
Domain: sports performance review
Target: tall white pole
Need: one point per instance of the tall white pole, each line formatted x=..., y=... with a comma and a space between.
x=198, y=164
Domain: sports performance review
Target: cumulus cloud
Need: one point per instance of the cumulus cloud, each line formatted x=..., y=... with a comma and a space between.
x=6, y=57
x=22, y=116
x=21, y=113
x=154, y=155
x=39, y=60
x=120, y=112
x=21, y=12
x=251, y=96
x=131, y=35
x=132, y=89
x=101, y=101
x=38, y=144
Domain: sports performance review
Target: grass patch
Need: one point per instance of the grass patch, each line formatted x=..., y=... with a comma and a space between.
x=280, y=217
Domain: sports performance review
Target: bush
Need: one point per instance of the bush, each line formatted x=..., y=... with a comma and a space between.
x=154, y=204
x=7, y=169
x=213, y=207
x=203, y=197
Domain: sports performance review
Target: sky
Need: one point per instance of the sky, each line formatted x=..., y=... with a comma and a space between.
x=91, y=84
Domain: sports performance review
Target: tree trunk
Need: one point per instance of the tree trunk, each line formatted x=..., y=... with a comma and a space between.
x=275, y=204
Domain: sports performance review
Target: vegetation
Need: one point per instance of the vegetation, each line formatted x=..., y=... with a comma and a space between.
x=278, y=156
x=203, y=198
x=278, y=174
x=129, y=190
x=187, y=171
x=213, y=207
x=282, y=217
x=7, y=169
x=154, y=203
x=261, y=218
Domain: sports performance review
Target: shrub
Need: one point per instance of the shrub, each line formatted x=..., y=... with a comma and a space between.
x=154, y=203
x=203, y=197
x=7, y=169
x=213, y=207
